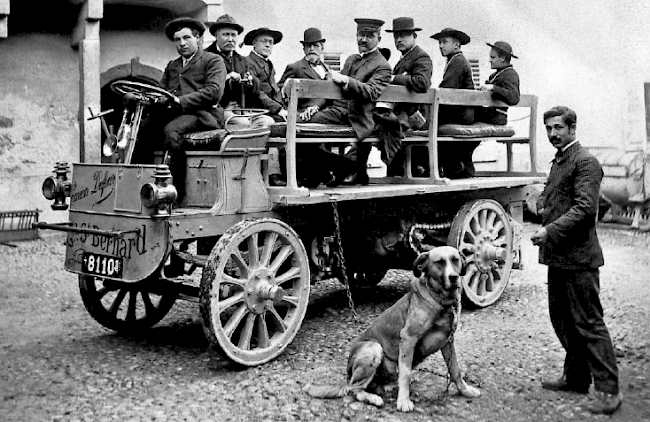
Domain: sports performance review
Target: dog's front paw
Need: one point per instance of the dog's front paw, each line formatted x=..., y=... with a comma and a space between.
x=405, y=404
x=469, y=391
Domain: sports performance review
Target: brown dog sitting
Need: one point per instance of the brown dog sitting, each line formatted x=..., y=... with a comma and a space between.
x=422, y=322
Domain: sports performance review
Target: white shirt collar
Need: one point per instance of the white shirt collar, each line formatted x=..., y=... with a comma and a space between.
x=266, y=59
x=365, y=53
x=186, y=61
x=569, y=144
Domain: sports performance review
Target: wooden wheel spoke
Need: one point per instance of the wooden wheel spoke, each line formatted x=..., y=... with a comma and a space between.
x=244, y=269
x=282, y=256
x=294, y=272
x=292, y=300
x=149, y=307
x=500, y=241
x=474, y=225
x=247, y=332
x=262, y=332
x=279, y=322
x=133, y=302
x=269, y=244
x=480, y=287
x=496, y=228
x=482, y=219
x=231, y=301
x=495, y=273
x=234, y=320
x=489, y=282
x=253, y=251
x=115, y=306
x=467, y=249
x=102, y=292
x=473, y=277
x=227, y=279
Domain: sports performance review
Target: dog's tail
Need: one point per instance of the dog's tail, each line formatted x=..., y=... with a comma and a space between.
x=326, y=391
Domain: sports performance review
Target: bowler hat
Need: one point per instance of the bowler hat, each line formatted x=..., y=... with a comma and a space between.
x=403, y=24
x=503, y=46
x=184, y=22
x=364, y=24
x=226, y=21
x=454, y=33
x=250, y=37
x=312, y=35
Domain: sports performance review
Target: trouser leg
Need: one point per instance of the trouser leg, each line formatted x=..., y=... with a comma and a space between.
x=588, y=316
x=174, y=131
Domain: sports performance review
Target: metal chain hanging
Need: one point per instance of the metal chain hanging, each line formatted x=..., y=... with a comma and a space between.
x=338, y=252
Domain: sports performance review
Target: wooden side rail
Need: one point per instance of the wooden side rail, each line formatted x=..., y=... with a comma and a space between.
x=304, y=88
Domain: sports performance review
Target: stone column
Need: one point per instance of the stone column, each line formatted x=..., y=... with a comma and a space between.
x=87, y=36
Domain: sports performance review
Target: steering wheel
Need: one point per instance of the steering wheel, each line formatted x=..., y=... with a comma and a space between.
x=143, y=91
x=247, y=113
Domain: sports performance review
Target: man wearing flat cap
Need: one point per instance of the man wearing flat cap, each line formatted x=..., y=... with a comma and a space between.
x=455, y=157
x=503, y=84
x=413, y=70
x=196, y=80
x=362, y=80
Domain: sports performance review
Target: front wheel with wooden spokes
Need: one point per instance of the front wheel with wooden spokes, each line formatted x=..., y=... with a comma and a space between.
x=125, y=307
x=255, y=290
x=482, y=232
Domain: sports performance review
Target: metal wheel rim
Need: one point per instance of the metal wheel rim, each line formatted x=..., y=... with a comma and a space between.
x=478, y=227
x=124, y=307
x=248, y=259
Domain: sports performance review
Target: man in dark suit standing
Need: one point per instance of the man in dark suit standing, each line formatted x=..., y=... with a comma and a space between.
x=309, y=67
x=569, y=245
x=503, y=84
x=413, y=70
x=363, y=78
x=196, y=80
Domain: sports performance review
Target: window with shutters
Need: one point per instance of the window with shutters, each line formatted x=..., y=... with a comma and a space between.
x=476, y=71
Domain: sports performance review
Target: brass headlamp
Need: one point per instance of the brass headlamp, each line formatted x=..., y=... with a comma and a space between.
x=58, y=187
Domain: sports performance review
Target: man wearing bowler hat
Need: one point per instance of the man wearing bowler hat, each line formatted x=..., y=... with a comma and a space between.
x=311, y=66
x=503, y=84
x=196, y=81
x=455, y=157
x=362, y=80
x=413, y=70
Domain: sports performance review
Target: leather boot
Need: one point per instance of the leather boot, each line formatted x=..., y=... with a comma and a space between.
x=361, y=175
x=561, y=384
x=605, y=403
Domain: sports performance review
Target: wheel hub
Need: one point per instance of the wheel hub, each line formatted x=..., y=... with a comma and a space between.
x=262, y=291
x=487, y=255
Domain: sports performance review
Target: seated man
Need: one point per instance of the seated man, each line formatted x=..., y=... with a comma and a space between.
x=269, y=98
x=242, y=87
x=196, y=79
x=309, y=67
x=413, y=70
x=363, y=78
x=503, y=84
x=455, y=157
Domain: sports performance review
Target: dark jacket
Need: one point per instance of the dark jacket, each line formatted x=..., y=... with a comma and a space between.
x=413, y=71
x=302, y=70
x=570, y=207
x=369, y=76
x=506, y=89
x=269, y=97
x=235, y=62
x=458, y=75
x=199, y=86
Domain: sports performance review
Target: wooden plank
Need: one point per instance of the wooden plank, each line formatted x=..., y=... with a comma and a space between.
x=473, y=97
x=326, y=89
x=349, y=193
x=409, y=140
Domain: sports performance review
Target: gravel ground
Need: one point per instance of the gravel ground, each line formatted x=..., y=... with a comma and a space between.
x=57, y=364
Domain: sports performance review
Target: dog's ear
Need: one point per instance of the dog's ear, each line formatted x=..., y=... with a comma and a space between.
x=419, y=263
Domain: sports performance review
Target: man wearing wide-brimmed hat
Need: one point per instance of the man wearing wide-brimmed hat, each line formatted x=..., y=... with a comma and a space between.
x=240, y=85
x=413, y=70
x=196, y=80
x=363, y=78
x=263, y=40
x=503, y=84
x=455, y=157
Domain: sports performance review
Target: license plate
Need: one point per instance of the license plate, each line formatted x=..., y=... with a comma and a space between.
x=108, y=266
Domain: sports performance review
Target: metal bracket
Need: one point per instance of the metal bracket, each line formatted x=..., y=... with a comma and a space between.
x=241, y=176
